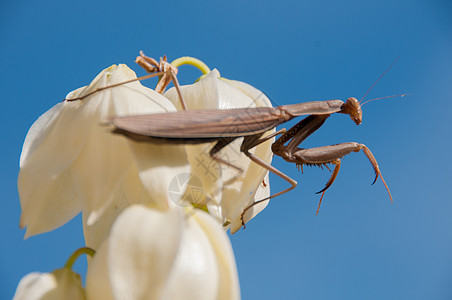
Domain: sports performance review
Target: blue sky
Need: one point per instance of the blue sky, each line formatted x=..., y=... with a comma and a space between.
x=359, y=246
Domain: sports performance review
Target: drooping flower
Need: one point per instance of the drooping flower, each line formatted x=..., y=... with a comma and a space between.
x=226, y=192
x=179, y=253
x=60, y=284
x=71, y=161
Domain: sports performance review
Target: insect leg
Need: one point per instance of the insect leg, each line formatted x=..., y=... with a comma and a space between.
x=332, y=154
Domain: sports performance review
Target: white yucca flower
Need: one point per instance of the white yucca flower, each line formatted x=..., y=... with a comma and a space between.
x=148, y=246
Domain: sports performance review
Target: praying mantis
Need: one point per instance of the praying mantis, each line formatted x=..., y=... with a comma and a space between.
x=224, y=126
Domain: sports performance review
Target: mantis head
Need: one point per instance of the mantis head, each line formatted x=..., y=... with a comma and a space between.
x=353, y=109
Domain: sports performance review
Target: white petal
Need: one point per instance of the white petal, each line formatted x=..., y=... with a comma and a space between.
x=205, y=267
x=44, y=179
x=60, y=284
x=195, y=273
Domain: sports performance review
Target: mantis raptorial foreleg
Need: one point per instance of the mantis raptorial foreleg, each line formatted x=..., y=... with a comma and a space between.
x=318, y=156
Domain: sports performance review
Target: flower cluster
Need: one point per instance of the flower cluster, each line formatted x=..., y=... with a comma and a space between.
x=156, y=214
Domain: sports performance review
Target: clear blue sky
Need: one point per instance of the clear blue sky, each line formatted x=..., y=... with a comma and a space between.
x=359, y=246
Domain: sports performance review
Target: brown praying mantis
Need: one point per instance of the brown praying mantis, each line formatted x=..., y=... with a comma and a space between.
x=224, y=126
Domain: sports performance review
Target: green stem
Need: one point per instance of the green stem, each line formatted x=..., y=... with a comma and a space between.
x=187, y=60
x=71, y=260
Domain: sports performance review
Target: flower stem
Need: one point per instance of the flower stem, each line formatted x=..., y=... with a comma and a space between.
x=71, y=260
x=187, y=60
